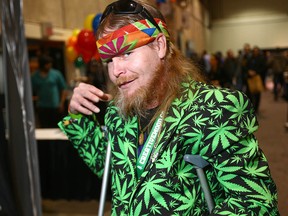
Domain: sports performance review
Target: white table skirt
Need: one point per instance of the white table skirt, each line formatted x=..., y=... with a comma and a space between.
x=49, y=134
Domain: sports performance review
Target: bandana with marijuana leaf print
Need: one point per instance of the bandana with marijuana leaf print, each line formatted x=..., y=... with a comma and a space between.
x=128, y=38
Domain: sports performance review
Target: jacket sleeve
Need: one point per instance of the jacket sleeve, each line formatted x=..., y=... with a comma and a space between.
x=237, y=161
x=244, y=174
x=88, y=139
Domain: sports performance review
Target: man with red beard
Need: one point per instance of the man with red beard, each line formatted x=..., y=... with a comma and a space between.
x=160, y=109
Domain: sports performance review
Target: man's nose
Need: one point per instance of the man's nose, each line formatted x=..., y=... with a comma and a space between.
x=117, y=66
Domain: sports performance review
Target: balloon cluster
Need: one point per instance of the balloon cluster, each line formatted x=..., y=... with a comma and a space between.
x=81, y=45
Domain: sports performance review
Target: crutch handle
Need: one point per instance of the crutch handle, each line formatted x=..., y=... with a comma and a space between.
x=196, y=160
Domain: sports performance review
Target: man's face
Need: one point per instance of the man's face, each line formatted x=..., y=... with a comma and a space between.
x=134, y=75
x=134, y=70
x=46, y=67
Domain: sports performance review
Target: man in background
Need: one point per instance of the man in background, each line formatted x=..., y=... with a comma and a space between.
x=49, y=91
x=278, y=65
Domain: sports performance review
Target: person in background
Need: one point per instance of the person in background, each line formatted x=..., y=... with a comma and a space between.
x=278, y=64
x=242, y=71
x=214, y=74
x=229, y=70
x=49, y=91
x=204, y=62
x=256, y=65
x=285, y=88
x=160, y=109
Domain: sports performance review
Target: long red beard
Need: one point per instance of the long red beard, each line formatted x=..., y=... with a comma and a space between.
x=142, y=98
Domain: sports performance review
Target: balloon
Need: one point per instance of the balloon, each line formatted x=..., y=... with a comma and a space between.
x=96, y=22
x=96, y=55
x=79, y=62
x=72, y=41
x=71, y=53
x=86, y=44
x=86, y=57
x=76, y=32
x=88, y=22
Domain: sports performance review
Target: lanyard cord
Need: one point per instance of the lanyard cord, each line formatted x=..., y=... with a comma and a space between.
x=148, y=145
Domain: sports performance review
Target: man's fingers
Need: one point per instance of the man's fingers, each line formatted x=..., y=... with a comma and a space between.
x=90, y=96
x=92, y=93
x=106, y=97
x=83, y=106
x=85, y=98
x=90, y=106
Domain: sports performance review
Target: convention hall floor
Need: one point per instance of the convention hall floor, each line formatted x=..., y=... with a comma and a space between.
x=273, y=139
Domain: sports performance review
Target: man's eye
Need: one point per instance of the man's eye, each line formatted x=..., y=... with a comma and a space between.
x=126, y=54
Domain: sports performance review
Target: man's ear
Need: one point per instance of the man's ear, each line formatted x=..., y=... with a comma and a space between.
x=161, y=45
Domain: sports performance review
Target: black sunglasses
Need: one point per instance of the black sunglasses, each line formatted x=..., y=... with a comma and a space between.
x=128, y=7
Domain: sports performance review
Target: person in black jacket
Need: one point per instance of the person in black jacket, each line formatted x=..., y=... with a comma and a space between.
x=256, y=66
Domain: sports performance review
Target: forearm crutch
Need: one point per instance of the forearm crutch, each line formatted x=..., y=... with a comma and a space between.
x=199, y=163
x=105, y=179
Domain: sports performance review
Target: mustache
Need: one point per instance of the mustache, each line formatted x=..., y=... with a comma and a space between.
x=122, y=80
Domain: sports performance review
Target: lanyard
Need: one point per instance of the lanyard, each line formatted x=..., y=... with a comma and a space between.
x=148, y=145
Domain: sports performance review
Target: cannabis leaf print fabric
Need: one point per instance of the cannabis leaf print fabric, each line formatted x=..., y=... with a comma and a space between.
x=217, y=124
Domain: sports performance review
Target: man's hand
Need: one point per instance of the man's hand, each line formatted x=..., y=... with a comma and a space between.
x=85, y=98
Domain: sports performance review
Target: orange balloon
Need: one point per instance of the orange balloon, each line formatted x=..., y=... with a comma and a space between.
x=71, y=53
x=72, y=41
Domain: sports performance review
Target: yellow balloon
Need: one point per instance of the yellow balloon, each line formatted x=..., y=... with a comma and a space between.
x=88, y=23
x=75, y=32
x=71, y=53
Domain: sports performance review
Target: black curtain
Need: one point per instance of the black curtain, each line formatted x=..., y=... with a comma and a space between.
x=7, y=202
x=21, y=193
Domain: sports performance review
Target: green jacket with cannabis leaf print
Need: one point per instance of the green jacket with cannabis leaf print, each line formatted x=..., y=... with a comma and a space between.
x=214, y=123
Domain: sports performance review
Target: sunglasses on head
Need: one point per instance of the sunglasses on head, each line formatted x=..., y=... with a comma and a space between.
x=128, y=7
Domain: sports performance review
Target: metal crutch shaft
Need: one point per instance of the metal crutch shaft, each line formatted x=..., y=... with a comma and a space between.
x=199, y=163
x=105, y=180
